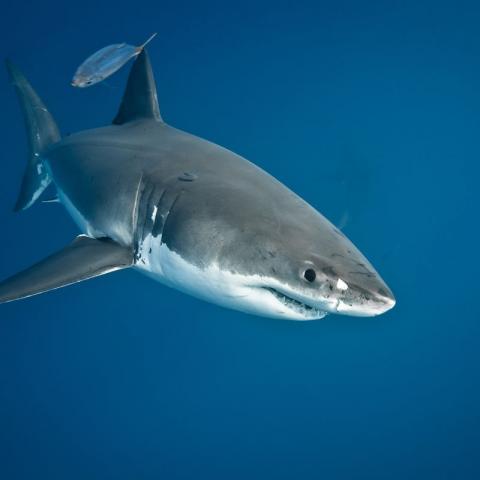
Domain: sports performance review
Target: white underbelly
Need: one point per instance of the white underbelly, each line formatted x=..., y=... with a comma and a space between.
x=230, y=290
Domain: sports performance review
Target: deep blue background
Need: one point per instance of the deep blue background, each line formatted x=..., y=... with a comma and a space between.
x=371, y=112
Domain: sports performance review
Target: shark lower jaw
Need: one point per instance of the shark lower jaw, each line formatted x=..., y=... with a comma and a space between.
x=297, y=307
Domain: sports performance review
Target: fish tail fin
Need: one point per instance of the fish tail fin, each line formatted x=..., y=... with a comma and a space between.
x=141, y=47
x=42, y=132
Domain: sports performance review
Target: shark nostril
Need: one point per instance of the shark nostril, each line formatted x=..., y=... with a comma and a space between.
x=310, y=275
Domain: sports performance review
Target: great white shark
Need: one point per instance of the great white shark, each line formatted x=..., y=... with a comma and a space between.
x=190, y=214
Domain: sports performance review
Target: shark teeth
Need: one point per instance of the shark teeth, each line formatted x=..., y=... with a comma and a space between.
x=299, y=307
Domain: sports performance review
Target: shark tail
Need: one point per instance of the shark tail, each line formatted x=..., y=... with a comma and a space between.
x=42, y=132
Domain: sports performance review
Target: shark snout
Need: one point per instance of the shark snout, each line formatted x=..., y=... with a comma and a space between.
x=350, y=285
x=366, y=302
x=386, y=298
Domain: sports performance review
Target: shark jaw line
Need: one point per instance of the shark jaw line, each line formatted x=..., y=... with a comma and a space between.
x=249, y=293
x=309, y=312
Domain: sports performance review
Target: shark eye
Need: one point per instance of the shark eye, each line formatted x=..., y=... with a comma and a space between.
x=309, y=275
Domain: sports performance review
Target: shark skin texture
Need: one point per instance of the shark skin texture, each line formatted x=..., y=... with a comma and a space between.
x=188, y=213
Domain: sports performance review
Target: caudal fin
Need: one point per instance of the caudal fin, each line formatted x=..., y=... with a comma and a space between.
x=42, y=132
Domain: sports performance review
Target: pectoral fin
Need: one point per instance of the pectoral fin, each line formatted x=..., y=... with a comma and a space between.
x=84, y=258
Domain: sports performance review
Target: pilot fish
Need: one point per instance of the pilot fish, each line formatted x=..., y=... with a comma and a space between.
x=105, y=62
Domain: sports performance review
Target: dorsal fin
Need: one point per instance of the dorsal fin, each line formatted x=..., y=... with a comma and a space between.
x=140, y=97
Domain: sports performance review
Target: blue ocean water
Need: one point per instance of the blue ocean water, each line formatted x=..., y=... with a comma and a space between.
x=370, y=111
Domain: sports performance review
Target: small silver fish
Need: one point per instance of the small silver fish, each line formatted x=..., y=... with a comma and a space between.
x=105, y=62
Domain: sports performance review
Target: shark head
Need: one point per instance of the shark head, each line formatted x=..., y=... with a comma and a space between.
x=293, y=279
x=339, y=284
x=272, y=257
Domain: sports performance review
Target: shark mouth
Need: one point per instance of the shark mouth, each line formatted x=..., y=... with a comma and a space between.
x=301, y=308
